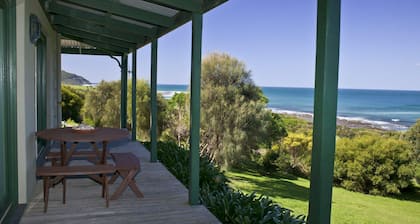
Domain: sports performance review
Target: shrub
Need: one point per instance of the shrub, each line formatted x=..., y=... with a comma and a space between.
x=267, y=161
x=227, y=205
x=374, y=165
x=236, y=207
x=298, y=147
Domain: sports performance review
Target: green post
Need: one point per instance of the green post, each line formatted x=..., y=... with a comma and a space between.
x=194, y=187
x=134, y=95
x=123, y=115
x=153, y=102
x=325, y=111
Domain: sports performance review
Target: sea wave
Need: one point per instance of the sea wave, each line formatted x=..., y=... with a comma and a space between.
x=169, y=94
x=385, y=125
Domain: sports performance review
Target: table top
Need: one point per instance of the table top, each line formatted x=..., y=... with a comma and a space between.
x=72, y=135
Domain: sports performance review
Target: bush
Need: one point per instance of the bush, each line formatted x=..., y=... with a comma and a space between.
x=231, y=206
x=227, y=205
x=375, y=165
x=267, y=161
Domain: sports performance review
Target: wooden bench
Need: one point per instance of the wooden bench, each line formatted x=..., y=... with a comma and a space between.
x=56, y=156
x=127, y=166
x=48, y=172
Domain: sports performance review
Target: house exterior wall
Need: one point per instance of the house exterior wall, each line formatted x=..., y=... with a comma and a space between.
x=26, y=91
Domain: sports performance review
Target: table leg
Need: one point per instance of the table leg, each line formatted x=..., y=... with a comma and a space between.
x=63, y=153
x=104, y=146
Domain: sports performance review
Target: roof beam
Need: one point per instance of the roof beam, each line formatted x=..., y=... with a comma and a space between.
x=94, y=37
x=106, y=20
x=95, y=29
x=191, y=6
x=67, y=50
x=119, y=9
x=101, y=46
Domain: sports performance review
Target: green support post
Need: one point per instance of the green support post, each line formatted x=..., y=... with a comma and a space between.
x=153, y=102
x=123, y=115
x=194, y=187
x=325, y=111
x=134, y=95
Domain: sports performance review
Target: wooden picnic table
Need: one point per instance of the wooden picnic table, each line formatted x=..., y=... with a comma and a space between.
x=74, y=136
x=126, y=165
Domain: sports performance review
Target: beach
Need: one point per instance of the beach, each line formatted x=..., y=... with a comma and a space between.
x=348, y=122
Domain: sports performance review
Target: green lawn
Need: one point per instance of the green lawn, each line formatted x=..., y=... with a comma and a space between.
x=347, y=206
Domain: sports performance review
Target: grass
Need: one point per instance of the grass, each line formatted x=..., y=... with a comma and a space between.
x=347, y=206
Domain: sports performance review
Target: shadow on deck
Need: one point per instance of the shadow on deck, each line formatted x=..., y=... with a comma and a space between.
x=165, y=199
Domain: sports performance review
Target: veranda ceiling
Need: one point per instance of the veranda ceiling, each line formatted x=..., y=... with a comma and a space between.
x=116, y=27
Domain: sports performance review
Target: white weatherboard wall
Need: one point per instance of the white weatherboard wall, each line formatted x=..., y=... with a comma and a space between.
x=26, y=91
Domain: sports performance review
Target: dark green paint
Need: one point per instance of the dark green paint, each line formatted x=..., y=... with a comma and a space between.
x=123, y=106
x=100, y=46
x=41, y=89
x=194, y=187
x=153, y=102
x=119, y=9
x=104, y=20
x=95, y=37
x=134, y=95
x=8, y=126
x=325, y=111
x=78, y=24
x=192, y=5
x=67, y=50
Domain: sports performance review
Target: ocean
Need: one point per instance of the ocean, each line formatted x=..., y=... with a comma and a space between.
x=386, y=109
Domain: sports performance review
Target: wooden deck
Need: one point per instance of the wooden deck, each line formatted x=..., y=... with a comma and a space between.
x=165, y=199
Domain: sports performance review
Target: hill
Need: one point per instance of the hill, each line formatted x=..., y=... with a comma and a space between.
x=73, y=79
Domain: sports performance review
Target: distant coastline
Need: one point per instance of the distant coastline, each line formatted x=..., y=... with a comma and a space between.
x=347, y=122
x=377, y=109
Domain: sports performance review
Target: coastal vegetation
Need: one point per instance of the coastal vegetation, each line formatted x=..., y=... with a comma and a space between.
x=264, y=152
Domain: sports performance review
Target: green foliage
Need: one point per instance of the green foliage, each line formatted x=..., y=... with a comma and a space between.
x=413, y=136
x=71, y=103
x=298, y=147
x=176, y=160
x=233, y=111
x=294, y=124
x=143, y=110
x=227, y=205
x=231, y=206
x=267, y=161
x=374, y=165
x=102, y=107
x=177, y=117
x=275, y=129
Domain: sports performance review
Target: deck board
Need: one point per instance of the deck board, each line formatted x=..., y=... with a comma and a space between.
x=165, y=199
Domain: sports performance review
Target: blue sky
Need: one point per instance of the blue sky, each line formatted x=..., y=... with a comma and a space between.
x=379, y=49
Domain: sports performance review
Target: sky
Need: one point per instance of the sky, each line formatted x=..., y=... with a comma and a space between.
x=379, y=45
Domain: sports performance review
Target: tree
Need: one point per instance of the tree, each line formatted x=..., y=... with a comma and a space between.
x=143, y=110
x=177, y=117
x=101, y=107
x=275, y=129
x=413, y=136
x=233, y=110
x=71, y=103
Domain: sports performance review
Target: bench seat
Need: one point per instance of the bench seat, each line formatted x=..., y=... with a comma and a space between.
x=47, y=172
x=127, y=166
